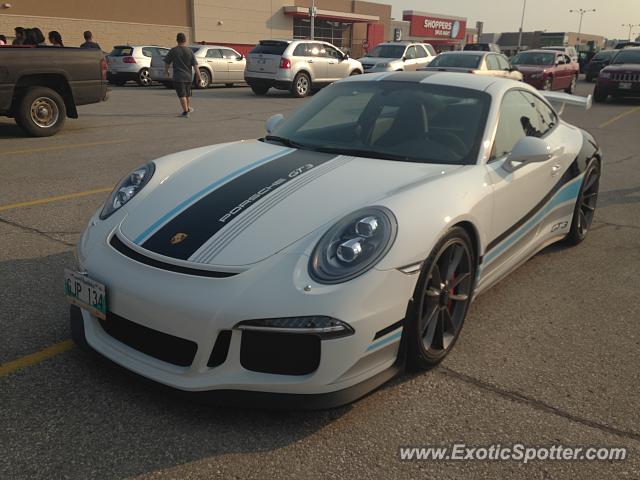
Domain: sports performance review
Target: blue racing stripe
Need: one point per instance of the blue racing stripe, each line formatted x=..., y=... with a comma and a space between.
x=193, y=198
x=568, y=192
x=384, y=341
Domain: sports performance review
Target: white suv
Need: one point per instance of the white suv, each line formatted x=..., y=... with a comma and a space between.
x=132, y=62
x=297, y=66
x=396, y=56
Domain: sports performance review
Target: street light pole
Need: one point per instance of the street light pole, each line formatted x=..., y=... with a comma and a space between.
x=524, y=8
x=581, y=11
x=630, y=25
x=312, y=14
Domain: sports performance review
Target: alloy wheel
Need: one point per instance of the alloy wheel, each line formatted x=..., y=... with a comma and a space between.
x=588, y=201
x=145, y=77
x=302, y=85
x=446, y=297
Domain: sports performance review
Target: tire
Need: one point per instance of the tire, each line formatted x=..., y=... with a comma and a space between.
x=572, y=87
x=301, y=86
x=259, y=89
x=144, y=78
x=441, y=300
x=355, y=72
x=586, y=202
x=41, y=112
x=204, y=80
x=228, y=85
x=548, y=84
x=599, y=95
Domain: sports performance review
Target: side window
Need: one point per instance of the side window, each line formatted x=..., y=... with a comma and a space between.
x=315, y=50
x=410, y=53
x=420, y=52
x=163, y=52
x=431, y=50
x=214, y=53
x=503, y=63
x=229, y=54
x=147, y=51
x=300, y=50
x=567, y=59
x=560, y=59
x=519, y=118
x=547, y=117
x=331, y=52
x=492, y=62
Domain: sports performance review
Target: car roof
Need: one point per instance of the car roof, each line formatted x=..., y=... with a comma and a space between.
x=469, y=52
x=542, y=50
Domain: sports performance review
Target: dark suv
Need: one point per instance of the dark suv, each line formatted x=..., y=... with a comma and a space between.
x=597, y=63
x=621, y=77
x=482, y=47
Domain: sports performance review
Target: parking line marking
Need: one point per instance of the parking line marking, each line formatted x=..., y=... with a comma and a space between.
x=57, y=198
x=63, y=147
x=619, y=117
x=35, y=358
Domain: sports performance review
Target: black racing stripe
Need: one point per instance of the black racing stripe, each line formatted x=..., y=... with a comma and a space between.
x=572, y=172
x=219, y=208
x=388, y=329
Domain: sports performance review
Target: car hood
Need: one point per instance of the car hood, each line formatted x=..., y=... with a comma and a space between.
x=623, y=68
x=374, y=60
x=528, y=69
x=241, y=203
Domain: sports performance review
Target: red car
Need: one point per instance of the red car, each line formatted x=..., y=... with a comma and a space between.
x=547, y=69
x=621, y=78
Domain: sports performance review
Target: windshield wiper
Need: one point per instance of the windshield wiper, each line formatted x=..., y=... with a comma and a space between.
x=364, y=153
x=284, y=141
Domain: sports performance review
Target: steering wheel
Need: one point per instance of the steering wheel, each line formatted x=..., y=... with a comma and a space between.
x=449, y=140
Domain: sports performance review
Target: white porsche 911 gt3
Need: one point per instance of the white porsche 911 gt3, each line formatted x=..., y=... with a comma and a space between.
x=308, y=267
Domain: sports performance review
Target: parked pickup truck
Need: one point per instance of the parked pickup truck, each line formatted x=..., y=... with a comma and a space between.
x=41, y=86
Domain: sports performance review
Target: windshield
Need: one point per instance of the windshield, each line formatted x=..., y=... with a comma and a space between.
x=476, y=47
x=534, y=58
x=627, y=56
x=603, y=56
x=459, y=60
x=404, y=121
x=387, y=51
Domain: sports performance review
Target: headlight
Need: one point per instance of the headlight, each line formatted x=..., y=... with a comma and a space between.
x=127, y=188
x=605, y=75
x=353, y=245
x=536, y=76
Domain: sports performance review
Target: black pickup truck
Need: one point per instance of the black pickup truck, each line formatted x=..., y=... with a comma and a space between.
x=41, y=86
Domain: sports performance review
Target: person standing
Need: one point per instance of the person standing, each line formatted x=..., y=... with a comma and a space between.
x=3, y=40
x=88, y=41
x=184, y=64
x=55, y=39
x=39, y=36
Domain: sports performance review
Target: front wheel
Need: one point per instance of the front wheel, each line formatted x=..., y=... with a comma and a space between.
x=204, y=79
x=585, y=208
x=301, y=85
x=571, y=88
x=548, y=84
x=441, y=300
x=144, y=78
x=41, y=112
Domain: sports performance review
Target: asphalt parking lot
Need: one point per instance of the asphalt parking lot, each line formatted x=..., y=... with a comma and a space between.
x=551, y=355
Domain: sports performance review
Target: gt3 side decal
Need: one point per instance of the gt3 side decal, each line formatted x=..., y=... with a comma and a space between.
x=204, y=218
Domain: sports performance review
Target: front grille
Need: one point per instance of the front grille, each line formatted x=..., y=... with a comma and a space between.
x=625, y=77
x=367, y=66
x=152, y=262
x=165, y=347
x=280, y=353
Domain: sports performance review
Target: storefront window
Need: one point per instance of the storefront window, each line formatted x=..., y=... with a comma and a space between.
x=336, y=33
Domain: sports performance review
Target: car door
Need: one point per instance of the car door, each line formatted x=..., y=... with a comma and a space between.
x=520, y=194
x=422, y=56
x=235, y=64
x=493, y=67
x=337, y=67
x=505, y=67
x=318, y=62
x=217, y=65
x=563, y=72
x=410, y=58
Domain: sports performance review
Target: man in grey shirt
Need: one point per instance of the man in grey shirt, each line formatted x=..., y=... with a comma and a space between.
x=184, y=63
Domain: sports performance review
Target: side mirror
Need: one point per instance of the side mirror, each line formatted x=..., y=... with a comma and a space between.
x=345, y=56
x=404, y=58
x=273, y=122
x=528, y=150
x=240, y=57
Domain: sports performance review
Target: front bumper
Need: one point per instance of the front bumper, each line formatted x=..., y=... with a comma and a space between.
x=612, y=87
x=113, y=76
x=534, y=82
x=282, y=79
x=197, y=309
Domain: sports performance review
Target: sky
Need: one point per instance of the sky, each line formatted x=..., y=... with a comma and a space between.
x=551, y=15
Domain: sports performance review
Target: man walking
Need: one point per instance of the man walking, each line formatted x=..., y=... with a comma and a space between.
x=88, y=41
x=184, y=63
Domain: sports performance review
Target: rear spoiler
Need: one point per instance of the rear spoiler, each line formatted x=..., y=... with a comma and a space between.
x=559, y=100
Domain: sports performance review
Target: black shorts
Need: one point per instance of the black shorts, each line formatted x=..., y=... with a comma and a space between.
x=183, y=89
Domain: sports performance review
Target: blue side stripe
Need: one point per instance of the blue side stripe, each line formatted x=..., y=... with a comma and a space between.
x=192, y=199
x=568, y=192
x=385, y=340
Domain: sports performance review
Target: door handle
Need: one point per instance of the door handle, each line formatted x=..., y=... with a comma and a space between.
x=309, y=61
x=555, y=170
